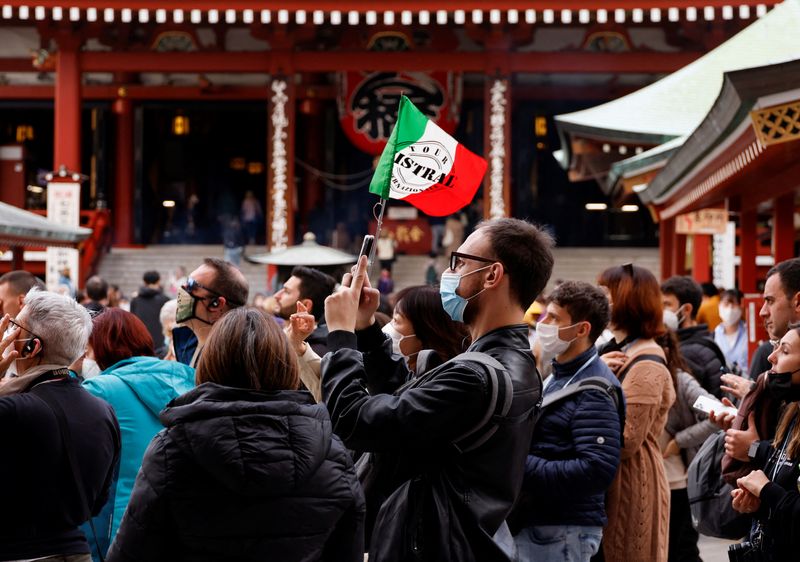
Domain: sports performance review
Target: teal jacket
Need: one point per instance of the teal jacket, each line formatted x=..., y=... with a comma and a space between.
x=138, y=389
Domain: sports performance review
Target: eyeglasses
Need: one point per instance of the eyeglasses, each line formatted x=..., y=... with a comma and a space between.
x=21, y=327
x=457, y=259
x=192, y=285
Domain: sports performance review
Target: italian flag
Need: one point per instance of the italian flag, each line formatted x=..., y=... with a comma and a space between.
x=425, y=166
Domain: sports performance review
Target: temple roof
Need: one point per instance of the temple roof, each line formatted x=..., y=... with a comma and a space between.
x=22, y=228
x=675, y=105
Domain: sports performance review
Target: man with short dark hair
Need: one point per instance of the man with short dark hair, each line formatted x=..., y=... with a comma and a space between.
x=97, y=292
x=211, y=291
x=14, y=285
x=575, y=450
x=682, y=297
x=146, y=305
x=457, y=437
x=781, y=307
x=311, y=287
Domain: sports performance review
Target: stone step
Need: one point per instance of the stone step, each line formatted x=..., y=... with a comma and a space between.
x=125, y=266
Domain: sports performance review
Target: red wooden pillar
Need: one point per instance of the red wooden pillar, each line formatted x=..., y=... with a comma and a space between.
x=666, y=242
x=123, y=177
x=497, y=147
x=679, y=255
x=67, y=147
x=701, y=258
x=748, y=246
x=783, y=227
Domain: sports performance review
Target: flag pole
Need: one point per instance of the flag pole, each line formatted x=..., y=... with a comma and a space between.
x=383, y=201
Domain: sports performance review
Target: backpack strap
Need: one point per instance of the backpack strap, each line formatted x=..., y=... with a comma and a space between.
x=637, y=359
x=500, y=398
x=589, y=383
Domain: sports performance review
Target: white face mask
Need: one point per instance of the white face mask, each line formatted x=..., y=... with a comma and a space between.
x=397, y=337
x=548, y=336
x=730, y=315
x=671, y=320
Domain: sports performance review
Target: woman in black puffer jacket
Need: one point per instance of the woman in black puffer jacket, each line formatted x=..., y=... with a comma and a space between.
x=247, y=467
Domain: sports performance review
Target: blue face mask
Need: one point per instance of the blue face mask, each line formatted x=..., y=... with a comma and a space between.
x=454, y=304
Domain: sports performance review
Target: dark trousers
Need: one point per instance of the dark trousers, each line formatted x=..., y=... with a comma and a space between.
x=682, y=535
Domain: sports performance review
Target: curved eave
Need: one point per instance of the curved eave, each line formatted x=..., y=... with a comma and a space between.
x=676, y=105
x=25, y=237
x=320, y=257
x=726, y=119
x=648, y=161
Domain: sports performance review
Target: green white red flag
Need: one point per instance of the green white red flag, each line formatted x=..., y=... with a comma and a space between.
x=425, y=166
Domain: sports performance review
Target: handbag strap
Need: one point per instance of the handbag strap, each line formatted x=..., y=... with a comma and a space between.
x=66, y=440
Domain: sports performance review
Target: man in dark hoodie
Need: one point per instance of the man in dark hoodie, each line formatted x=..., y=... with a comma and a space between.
x=147, y=304
x=682, y=297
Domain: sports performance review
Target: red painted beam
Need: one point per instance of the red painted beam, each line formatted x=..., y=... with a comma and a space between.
x=748, y=239
x=561, y=62
x=390, y=5
x=701, y=258
x=783, y=233
x=67, y=141
x=123, y=193
x=666, y=244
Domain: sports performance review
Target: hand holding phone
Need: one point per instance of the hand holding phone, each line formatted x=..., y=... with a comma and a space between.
x=707, y=405
x=366, y=246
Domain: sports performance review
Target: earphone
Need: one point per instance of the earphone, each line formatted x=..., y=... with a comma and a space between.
x=29, y=346
x=214, y=303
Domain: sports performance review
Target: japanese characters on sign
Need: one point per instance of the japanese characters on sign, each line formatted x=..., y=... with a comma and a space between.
x=368, y=103
x=705, y=221
x=63, y=207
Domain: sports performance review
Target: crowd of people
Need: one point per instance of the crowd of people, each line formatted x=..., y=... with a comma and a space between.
x=328, y=421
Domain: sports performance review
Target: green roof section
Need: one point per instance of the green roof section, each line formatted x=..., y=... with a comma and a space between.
x=676, y=105
x=644, y=162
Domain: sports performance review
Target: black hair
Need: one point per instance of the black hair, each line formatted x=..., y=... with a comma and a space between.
x=526, y=253
x=709, y=289
x=316, y=286
x=686, y=290
x=151, y=277
x=731, y=294
x=584, y=303
x=228, y=282
x=789, y=272
x=422, y=306
x=96, y=288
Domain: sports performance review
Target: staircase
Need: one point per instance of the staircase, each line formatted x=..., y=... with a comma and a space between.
x=573, y=264
x=125, y=266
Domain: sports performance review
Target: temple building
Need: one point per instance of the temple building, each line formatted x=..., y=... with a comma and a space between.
x=182, y=117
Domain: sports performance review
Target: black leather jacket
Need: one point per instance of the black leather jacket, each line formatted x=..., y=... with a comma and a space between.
x=466, y=496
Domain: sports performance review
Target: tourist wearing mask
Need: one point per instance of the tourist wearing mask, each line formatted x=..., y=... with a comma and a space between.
x=771, y=492
x=575, y=450
x=138, y=386
x=59, y=443
x=731, y=334
x=640, y=486
x=247, y=468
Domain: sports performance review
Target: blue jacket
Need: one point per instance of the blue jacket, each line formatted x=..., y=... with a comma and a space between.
x=575, y=450
x=138, y=389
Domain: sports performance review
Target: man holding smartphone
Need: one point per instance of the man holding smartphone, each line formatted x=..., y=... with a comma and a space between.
x=450, y=498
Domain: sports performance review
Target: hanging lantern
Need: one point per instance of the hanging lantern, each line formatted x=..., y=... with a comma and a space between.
x=24, y=133
x=180, y=125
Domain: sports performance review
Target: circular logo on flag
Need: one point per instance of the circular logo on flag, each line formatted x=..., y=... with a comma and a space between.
x=420, y=166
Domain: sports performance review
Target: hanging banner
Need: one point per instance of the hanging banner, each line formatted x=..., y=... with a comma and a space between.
x=705, y=221
x=368, y=103
x=63, y=207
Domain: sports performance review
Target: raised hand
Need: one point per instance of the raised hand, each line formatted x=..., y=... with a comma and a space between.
x=342, y=307
x=301, y=324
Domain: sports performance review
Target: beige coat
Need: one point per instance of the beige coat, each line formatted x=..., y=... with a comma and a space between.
x=638, y=499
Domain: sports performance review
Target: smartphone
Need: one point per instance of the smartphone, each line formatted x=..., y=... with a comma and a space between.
x=707, y=405
x=366, y=246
